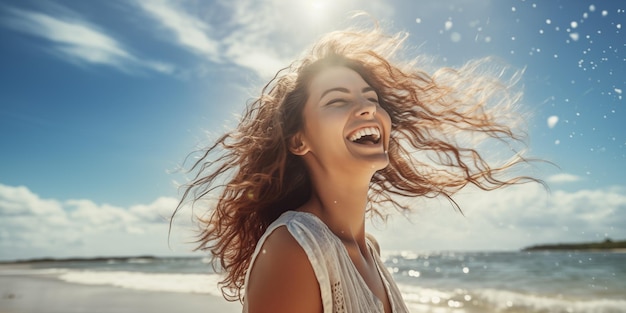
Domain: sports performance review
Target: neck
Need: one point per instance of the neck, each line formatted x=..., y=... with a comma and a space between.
x=340, y=201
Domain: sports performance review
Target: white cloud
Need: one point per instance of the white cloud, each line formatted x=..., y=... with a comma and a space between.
x=79, y=42
x=95, y=216
x=36, y=227
x=563, y=178
x=510, y=219
x=506, y=219
x=158, y=211
x=19, y=201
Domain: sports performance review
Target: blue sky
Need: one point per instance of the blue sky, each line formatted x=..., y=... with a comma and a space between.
x=100, y=101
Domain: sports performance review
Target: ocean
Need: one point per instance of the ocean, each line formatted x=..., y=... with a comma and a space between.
x=460, y=282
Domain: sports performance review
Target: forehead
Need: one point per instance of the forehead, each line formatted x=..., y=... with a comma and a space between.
x=336, y=76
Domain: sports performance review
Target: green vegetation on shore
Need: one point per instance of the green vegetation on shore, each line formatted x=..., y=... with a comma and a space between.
x=607, y=244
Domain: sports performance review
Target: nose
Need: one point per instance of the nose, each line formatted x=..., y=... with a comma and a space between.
x=366, y=108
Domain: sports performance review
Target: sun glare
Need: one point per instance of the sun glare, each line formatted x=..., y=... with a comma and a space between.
x=318, y=11
x=319, y=5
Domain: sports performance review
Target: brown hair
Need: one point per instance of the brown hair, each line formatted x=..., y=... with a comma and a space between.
x=258, y=178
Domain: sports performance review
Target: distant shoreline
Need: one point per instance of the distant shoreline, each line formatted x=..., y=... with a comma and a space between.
x=606, y=245
x=85, y=259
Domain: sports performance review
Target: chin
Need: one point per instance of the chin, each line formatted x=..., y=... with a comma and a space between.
x=378, y=163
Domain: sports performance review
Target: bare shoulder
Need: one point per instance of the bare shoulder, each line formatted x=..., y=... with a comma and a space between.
x=282, y=278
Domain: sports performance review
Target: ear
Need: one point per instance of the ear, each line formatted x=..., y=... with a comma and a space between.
x=297, y=146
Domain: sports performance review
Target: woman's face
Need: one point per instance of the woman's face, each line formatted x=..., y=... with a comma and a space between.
x=344, y=126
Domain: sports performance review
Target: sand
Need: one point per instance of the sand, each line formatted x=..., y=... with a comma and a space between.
x=35, y=294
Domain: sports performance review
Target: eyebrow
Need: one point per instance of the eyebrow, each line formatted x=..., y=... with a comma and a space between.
x=345, y=90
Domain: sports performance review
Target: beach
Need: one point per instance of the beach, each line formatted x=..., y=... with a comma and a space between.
x=443, y=282
x=35, y=294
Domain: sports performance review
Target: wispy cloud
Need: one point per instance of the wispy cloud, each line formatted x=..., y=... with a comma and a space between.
x=190, y=32
x=262, y=36
x=79, y=42
x=233, y=46
x=563, y=178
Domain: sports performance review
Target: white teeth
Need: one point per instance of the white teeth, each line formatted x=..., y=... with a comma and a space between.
x=367, y=131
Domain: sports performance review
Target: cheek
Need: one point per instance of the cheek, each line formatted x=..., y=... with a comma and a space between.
x=319, y=127
x=386, y=120
x=325, y=129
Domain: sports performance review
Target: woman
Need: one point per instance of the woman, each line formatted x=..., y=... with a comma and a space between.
x=332, y=137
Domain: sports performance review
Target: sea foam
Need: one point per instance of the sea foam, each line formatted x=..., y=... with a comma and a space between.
x=420, y=299
x=184, y=283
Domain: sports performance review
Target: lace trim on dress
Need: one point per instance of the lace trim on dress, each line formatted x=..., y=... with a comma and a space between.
x=338, y=300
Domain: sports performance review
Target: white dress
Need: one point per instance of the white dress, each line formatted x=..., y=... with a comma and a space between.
x=341, y=285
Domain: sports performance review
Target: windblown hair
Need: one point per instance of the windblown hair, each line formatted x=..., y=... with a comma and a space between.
x=257, y=178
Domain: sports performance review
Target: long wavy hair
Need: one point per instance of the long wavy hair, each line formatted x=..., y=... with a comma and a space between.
x=438, y=121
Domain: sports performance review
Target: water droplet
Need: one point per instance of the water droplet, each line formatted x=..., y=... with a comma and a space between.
x=466, y=270
x=574, y=36
x=448, y=25
x=455, y=37
x=574, y=24
x=605, y=12
x=513, y=9
x=418, y=20
x=552, y=121
x=592, y=8
x=548, y=21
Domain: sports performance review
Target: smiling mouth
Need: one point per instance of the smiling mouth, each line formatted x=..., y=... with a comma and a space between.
x=366, y=136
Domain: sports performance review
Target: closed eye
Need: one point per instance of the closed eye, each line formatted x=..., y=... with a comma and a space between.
x=334, y=101
x=372, y=95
